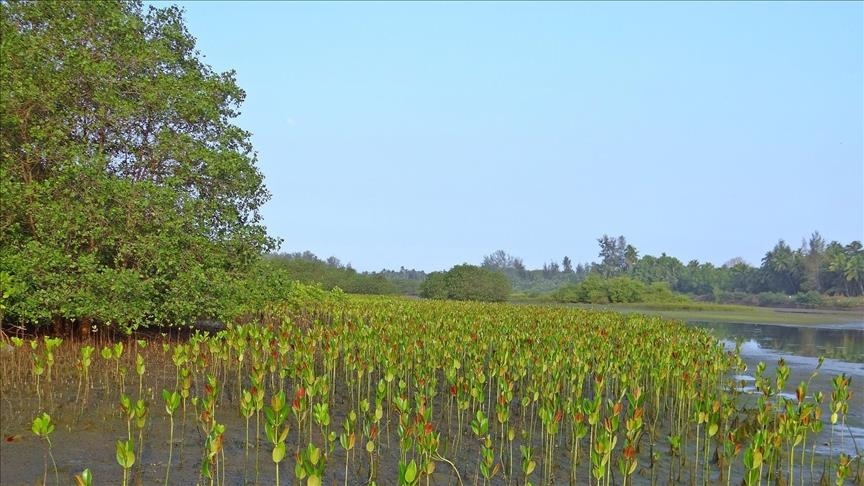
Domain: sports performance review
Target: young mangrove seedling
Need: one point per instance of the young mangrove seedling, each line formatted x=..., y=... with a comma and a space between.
x=172, y=402
x=347, y=439
x=310, y=465
x=43, y=427
x=408, y=474
x=84, y=479
x=276, y=428
x=126, y=457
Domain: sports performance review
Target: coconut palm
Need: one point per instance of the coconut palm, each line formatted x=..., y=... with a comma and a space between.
x=854, y=272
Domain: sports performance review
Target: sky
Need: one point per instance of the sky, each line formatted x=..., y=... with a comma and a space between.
x=426, y=135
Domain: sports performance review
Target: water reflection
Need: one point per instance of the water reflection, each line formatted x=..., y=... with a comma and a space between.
x=842, y=342
x=800, y=347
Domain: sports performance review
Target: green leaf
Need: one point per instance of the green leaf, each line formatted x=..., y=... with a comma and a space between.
x=279, y=452
x=712, y=429
x=411, y=472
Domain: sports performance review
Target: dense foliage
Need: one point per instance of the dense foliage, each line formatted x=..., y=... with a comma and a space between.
x=616, y=290
x=466, y=282
x=331, y=273
x=128, y=195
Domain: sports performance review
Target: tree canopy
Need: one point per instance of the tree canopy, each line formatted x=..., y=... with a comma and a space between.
x=129, y=196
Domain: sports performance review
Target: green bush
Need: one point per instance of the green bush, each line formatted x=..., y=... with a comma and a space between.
x=618, y=290
x=435, y=286
x=843, y=302
x=466, y=282
x=309, y=269
x=774, y=299
x=809, y=299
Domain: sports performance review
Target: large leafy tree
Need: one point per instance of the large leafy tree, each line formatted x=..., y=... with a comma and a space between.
x=128, y=194
x=651, y=269
x=616, y=255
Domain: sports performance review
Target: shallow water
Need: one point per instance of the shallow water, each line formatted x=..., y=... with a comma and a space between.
x=841, y=345
x=86, y=433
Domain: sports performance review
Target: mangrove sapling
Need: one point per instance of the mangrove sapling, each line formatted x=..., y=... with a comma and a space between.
x=172, y=402
x=810, y=414
x=212, y=449
x=210, y=428
x=139, y=370
x=633, y=431
x=840, y=395
x=38, y=371
x=321, y=414
x=843, y=463
x=711, y=430
x=502, y=413
x=257, y=392
x=347, y=439
x=408, y=474
x=276, y=429
x=247, y=409
x=731, y=449
x=50, y=345
x=528, y=463
x=185, y=391
x=427, y=439
x=579, y=429
x=84, y=479
x=125, y=457
x=791, y=428
x=116, y=354
x=140, y=422
x=610, y=432
x=310, y=465
x=550, y=417
x=403, y=407
x=84, y=363
x=128, y=410
x=486, y=465
x=43, y=427
x=389, y=377
x=17, y=367
x=371, y=420
x=702, y=417
x=778, y=429
x=106, y=356
x=380, y=396
x=299, y=408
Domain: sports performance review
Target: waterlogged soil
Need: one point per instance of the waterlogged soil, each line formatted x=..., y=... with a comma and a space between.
x=89, y=423
x=88, y=441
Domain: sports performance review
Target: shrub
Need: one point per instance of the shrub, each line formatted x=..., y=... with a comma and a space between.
x=467, y=282
x=617, y=290
x=809, y=299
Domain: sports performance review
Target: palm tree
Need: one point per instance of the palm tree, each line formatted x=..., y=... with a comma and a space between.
x=780, y=262
x=835, y=255
x=854, y=271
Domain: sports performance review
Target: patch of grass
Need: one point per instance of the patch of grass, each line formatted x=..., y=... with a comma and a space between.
x=699, y=311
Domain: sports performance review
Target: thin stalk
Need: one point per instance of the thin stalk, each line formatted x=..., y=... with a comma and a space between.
x=170, y=447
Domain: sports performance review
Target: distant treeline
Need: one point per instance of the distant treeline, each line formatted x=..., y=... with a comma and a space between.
x=816, y=273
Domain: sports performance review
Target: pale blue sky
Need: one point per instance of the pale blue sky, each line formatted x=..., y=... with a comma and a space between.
x=431, y=134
